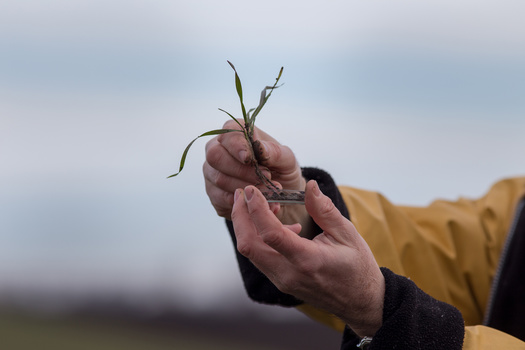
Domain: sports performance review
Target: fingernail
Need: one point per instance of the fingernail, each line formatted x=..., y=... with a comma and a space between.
x=243, y=155
x=248, y=193
x=316, y=190
x=236, y=195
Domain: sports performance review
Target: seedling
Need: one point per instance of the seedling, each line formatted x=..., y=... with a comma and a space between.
x=274, y=194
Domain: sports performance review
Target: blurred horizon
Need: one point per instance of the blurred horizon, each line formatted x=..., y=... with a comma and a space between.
x=98, y=100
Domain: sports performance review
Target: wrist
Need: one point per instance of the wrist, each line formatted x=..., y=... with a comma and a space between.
x=366, y=320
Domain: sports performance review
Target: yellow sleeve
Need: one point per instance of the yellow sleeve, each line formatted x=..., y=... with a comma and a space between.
x=485, y=338
x=450, y=249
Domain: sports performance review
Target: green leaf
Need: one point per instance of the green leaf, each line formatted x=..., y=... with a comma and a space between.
x=238, y=86
x=208, y=133
x=231, y=116
x=248, y=127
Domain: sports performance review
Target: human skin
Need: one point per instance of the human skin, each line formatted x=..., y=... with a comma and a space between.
x=335, y=271
x=227, y=168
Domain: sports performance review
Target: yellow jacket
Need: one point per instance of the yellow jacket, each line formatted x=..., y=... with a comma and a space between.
x=451, y=250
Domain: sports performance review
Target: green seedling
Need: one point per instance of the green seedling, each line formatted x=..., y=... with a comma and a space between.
x=247, y=129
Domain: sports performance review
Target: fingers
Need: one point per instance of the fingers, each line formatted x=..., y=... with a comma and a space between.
x=283, y=239
x=243, y=227
x=249, y=242
x=237, y=146
x=327, y=216
x=325, y=273
x=235, y=143
x=271, y=153
x=229, y=166
x=223, y=166
x=276, y=156
x=221, y=200
x=223, y=174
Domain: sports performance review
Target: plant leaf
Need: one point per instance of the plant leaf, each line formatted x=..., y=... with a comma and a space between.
x=231, y=116
x=208, y=133
x=265, y=96
x=249, y=112
x=238, y=86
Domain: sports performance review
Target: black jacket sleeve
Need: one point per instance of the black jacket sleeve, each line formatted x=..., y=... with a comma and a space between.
x=412, y=319
x=257, y=285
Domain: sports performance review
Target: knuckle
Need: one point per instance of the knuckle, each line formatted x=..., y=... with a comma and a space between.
x=221, y=180
x=307, y=267
x=210, y=143
x=271, y=237
x=234, y=215
x=228, y=199
x=207, y=170
x=222, y=212
x=222, y=201
x=244, y=248
x=288, y=284
x=211, y=175
x=327, y=207
x=223, y=206
x=285, y=287
x=214, y=155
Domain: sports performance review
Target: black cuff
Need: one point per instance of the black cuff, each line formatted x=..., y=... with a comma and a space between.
x=328, y=187
x=412, y=320
x=257, y=285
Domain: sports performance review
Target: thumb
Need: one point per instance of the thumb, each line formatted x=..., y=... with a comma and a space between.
x=274, y=155
x=327, y=216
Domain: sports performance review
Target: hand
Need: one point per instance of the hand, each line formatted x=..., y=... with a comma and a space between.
x=336, y=271
x=227, y=167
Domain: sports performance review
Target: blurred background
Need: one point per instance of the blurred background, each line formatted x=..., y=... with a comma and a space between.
x=416, y=100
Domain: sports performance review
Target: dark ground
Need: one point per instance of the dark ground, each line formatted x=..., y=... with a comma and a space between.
x=103, y=326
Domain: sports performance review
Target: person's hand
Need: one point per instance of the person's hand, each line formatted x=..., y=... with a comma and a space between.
x=228, y=167
x=336, y=271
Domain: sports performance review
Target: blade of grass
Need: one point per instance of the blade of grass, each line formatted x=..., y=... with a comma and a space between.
x=231, y=116
x=208, y=133
x=238, y=86
x=249, y=112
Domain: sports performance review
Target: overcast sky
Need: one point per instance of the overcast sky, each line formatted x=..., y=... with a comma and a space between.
x=98, y=99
